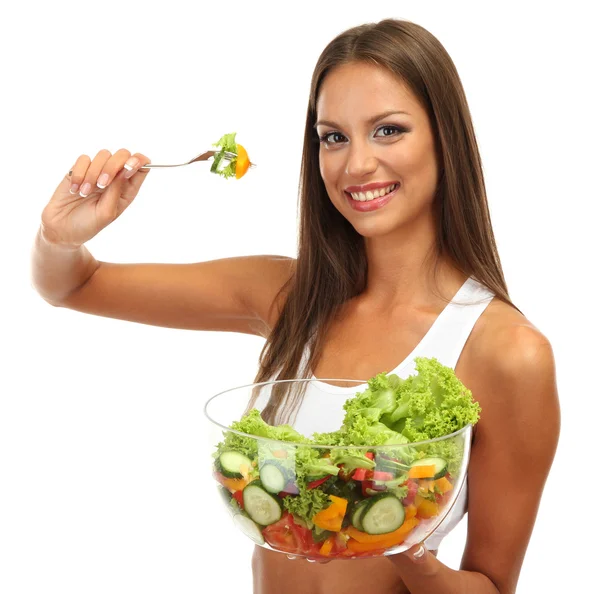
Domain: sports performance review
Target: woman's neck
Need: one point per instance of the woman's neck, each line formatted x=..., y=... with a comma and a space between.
x=409, y=271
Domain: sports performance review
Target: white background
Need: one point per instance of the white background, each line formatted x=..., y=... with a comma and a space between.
x=102, y=437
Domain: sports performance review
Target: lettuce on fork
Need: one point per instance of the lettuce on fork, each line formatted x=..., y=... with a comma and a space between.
x=227, y=144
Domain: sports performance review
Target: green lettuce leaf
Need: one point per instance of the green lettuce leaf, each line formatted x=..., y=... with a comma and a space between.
x=226, y=144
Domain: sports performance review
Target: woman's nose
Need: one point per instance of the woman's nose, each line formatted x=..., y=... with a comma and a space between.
x=361, y=161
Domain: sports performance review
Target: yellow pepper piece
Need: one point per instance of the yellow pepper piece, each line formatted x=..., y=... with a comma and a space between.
x=444, y=485
x=422, y=471
x=327, y=546
x=390, y=539
x=428, y=509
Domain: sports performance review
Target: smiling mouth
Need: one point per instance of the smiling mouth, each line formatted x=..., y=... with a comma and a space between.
x=372, y=194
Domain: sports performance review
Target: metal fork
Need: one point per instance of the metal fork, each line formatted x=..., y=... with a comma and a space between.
x=202, y=157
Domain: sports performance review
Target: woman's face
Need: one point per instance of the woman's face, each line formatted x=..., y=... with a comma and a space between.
x=377, y=152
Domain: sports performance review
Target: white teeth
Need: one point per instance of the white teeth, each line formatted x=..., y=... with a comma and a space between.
x=364, y=197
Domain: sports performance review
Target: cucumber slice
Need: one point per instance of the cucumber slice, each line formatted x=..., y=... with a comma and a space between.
x=272, y=478
x=384, y=513
x=249, y=528
x=358, y=512
x=441, y=466
x=231, y=464
x=260, y=505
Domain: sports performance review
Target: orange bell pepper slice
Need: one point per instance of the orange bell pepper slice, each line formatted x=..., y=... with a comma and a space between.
x=444, y=485
x=422, y=471
x=231, y=483
x=332, y=524
x=331, y=517
x=363, y=537
x=329, y=513
x=327, y=546
x=391, y=538
x=410, y=511
x=340, y=504
x=243, y=162
x=235, y=484
x=428, y=509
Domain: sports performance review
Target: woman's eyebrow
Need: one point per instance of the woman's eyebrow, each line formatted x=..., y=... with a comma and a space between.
x=371, y=121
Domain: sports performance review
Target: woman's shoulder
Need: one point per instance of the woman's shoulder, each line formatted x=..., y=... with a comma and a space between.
x=507, y=343
x=509, y=366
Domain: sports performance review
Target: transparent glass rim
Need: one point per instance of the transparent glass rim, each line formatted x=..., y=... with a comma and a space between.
x=389, y=446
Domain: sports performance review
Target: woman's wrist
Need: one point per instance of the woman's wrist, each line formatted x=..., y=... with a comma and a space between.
x=57, y=269
x=49, y=240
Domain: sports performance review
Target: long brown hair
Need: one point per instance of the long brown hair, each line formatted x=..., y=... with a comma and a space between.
x=331, y=266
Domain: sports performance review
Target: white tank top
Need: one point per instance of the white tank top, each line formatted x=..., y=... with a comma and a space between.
x=322, y=407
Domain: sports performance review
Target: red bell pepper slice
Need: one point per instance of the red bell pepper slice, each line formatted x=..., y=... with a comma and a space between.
x=360, y=474
x=239, y=497
x=317, y=482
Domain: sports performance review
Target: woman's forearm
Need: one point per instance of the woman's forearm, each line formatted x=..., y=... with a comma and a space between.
x=450, y=581
x=428, y=575
x=57, y=271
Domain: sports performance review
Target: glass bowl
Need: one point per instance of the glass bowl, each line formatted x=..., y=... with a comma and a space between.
x=359, y=501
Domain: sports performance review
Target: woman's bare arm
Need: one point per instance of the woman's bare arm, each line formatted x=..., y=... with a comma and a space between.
x=513, y=452
x=234, y=294
x=510, y=370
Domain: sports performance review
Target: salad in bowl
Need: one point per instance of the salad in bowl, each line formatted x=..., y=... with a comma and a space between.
x=380, y=479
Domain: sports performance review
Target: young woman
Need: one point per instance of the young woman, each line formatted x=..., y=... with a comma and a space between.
x=396, y=259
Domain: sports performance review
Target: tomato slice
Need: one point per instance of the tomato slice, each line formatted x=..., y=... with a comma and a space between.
x=289, y=537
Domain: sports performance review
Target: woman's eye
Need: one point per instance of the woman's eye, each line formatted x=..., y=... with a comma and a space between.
x=332, y=138
x=389, y=131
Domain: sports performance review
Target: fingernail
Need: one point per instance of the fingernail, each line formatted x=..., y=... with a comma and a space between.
x=102, y=181
x=85, y=189
x=131, y=165
x=74, y=188
x=419, y=552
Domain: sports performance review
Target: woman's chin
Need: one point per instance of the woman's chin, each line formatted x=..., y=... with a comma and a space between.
x=373, y=229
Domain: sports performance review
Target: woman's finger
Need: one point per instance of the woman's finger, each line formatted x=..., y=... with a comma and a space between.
x=112, y=167
x=78, y=172
x=133, y=165
x=91, y=177
x=135, y=175
x=119, y=195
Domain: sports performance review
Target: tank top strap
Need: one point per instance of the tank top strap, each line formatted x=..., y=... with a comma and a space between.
x=449, y=333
